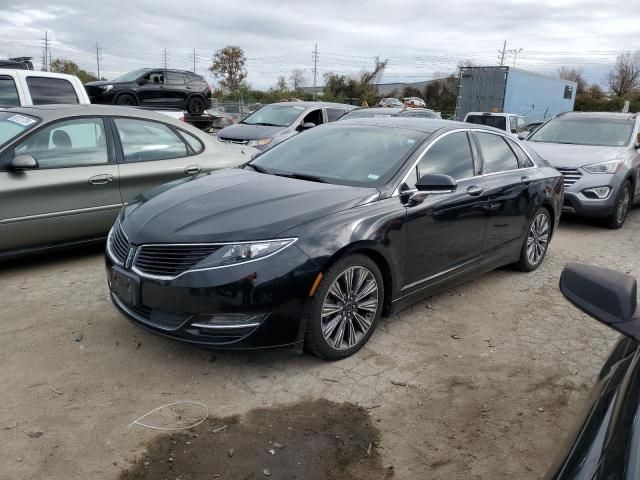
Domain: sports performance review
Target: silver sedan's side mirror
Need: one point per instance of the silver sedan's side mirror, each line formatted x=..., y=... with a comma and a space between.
x=23, y=162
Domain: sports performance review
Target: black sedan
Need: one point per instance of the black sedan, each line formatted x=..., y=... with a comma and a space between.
x=314, y=240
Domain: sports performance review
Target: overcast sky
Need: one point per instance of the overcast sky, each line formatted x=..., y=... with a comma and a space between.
x=420, y=38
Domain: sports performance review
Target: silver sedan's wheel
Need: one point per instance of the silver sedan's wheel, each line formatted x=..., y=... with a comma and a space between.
x=538, y=239
x=349, y=308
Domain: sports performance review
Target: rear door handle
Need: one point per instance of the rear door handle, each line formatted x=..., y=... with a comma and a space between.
x=101, y=179
x=525, y=179
x=192, y=169
x=474, y=190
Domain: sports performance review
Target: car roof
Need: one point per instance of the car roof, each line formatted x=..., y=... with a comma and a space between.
x=317, y=104
x=425, y=125
x=387, y=110
x=52, y=112
x=492, y=114
x=611, y=115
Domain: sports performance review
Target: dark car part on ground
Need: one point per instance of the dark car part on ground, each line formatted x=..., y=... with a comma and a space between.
x=604, y=444
x=317, y=238
x=154, y=88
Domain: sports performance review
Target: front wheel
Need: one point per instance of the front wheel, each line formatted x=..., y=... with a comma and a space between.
x=536, y=242
x=126, y=100
x=619, y=215
x=346, y=308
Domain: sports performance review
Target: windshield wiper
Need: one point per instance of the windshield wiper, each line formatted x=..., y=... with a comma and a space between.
x=264, y=124
x=302, y=176
x=259, y=169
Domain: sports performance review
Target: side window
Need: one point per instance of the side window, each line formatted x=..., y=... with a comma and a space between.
x=174, y=78
x=8, y=92
x=195, y=144
x=450, y=155
x=156, y=78
x=314, y=117
x=46, y=90
x=334, y=114
x=524, y=159
x=513, y=125
x=143, y=141
x=72, y=143
x=498, y=157
x=522, y=126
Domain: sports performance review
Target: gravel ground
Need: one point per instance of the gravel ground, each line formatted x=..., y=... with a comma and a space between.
x=480, y=382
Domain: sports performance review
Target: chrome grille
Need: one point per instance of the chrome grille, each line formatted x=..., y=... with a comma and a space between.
x=571, y=175
x=171, y=260
x=118, y=244
x=233, y=140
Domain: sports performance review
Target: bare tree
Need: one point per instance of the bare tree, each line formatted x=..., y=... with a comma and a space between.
x=375, y=73
x=229, y=66
x=625, y=76
x=281, y=84
x=298, y=79
x=574, y=75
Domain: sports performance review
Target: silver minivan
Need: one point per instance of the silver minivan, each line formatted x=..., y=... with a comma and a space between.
x=67, y=170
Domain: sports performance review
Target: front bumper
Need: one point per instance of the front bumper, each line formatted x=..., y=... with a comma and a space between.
x=576, y=202
x=271, y=294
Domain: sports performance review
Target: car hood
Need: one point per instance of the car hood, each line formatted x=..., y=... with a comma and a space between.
x=243, y=131
x=573, y=156
x=235, y=205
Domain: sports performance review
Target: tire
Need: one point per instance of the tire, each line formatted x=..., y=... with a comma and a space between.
x=126, y=99
x=351, y=323
x=621, y=210
x=195, y=105
x=536, y=241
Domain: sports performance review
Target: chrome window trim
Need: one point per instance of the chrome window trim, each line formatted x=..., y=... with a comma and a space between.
x=396, y=191
x=194, y=270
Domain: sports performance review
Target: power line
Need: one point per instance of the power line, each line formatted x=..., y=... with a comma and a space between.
x=315, y=71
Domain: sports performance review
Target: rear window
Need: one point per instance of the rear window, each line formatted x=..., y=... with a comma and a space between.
x=8, y=92
x=46, y=90
x=334, y=113
x=194, y=78
x=174, y=78
x=488, y=120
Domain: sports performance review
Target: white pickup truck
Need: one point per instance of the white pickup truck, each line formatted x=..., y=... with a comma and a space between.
x=511, y=123
x=23, y=88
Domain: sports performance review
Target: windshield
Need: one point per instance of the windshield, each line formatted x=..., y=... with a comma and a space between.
x=488, y=120
x=606, y=132
x=275, y=115
x=352, y=155
x=132, y=76
x=14, y=124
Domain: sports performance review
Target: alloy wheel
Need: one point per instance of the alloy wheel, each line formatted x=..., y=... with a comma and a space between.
x=349, y=308
x=623, y=205
x=538, y=239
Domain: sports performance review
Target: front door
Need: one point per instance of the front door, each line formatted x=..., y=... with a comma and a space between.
x=72, y=196
x=152, y=92
x=445, y=232
x=151, y=154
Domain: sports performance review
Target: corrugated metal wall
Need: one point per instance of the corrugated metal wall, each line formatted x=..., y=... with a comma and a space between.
x=481, y=89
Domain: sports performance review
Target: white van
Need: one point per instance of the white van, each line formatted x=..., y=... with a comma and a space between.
x=28, y=87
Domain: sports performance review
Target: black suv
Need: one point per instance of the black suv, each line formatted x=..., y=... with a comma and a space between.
x=156, y=88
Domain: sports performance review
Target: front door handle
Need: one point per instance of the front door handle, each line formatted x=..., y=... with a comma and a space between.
x=192, y=169
x=474, y=190
x=525, y=179
x=101, y=179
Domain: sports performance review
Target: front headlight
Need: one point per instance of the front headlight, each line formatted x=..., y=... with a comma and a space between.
x=259, y=143
x=611, y=167
x=235, y=254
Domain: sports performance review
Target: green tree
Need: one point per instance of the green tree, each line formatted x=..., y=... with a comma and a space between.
x=228, y=66
x=61, y=65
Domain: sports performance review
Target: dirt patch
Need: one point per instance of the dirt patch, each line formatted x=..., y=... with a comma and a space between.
x=311, y=440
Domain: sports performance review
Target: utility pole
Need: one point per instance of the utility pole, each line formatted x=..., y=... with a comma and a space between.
x=194, y=60
x=46, y=54
x=164, y=55
x=502, y=52
x=49, y=59
x=315, y=71
x=515, y=53
x=98, y=58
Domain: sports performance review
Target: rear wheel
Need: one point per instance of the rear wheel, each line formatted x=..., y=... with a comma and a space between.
x=126, y=100
x=195, y=105
x=536, y=242
x=346, y=308
x=621, y=210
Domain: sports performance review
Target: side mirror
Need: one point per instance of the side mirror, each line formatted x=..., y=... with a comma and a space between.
x=436, y=183
x=306, y=126
x=608, y=296
x=523, y=135
x=23, y=162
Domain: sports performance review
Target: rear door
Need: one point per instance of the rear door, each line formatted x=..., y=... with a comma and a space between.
x=151, y=153
x=72, y=196
x=507, y=186
x=445, y=232
x=175, y=88
x=49, y=90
